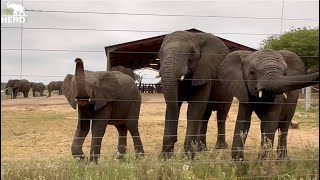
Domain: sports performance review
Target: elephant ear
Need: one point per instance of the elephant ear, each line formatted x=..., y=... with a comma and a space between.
x=295, y=65
x=212, y=52
x=108, y=89
x=68, y=88
x=230, y=72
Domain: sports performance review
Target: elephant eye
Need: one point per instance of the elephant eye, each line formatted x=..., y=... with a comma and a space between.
x=252, y=73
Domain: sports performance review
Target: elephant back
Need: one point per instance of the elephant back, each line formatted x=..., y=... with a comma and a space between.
x=124, y=70
x=25, y=85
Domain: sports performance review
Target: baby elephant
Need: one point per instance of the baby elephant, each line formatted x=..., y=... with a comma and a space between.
x=103, y=98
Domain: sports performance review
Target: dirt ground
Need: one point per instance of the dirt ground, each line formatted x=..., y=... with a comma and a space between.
x=43, y=127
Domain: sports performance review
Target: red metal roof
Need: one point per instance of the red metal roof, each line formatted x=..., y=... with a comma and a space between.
x=141, y=53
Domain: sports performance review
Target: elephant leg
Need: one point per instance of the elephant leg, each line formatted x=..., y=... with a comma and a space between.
x=241, y=131
x=195, y=114
x=270, y=116
x=15, y=93
x=34, y=93
x=49, y=95
x=170, y=130
x=268, y=130
x=202, y=134
x=79, y=137
x=122, y=141
x=98, y=129
x=282, y=144
x=221, y=124
x=138, y=147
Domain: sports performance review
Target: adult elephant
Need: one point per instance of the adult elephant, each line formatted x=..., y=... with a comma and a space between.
x=37, y=87
x=266, y=82
x=124, y=70
x=55, y=85
x=188, y=65
x=17, y=86
x=105, y=98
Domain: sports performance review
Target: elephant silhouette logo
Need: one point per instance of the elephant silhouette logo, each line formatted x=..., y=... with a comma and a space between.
x=14, y=13
x=18, y=9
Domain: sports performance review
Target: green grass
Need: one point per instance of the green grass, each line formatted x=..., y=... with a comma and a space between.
x=214, y=165
x=307, y=119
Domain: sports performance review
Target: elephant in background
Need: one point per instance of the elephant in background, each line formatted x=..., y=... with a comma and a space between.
x=17, y=86
x=55, y=85
x=124, y=70
x=103, y=97
x=37, y=87
x=188, y=68
x=266, y=82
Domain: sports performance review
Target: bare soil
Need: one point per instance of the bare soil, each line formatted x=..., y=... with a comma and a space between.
x=43, y=127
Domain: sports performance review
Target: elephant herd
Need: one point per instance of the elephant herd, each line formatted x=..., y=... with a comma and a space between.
x=200, y=69
x=197, y=68
x=14, y=86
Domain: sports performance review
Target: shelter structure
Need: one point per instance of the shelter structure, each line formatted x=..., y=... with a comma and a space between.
x=144, y=53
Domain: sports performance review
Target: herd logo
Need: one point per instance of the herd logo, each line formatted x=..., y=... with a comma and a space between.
x=14, y=13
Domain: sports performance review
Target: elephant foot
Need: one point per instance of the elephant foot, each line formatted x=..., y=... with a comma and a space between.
x=94, y=158
x=286, y=158
x=237, y=155
x=166, y=155
x=80, y=157
x=221, y=145
x=139, y=155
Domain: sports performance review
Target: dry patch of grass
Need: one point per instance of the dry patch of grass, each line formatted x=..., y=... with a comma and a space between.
x=36, y=135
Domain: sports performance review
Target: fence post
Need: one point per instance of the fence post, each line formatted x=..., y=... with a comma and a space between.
x=308, y=98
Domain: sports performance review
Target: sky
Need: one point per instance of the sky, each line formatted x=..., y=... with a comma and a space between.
x=46, y=66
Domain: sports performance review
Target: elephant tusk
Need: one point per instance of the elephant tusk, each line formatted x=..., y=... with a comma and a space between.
x=89, y=99
x=76, y=99
x=285, y=96
x=260, y=93
x=182, y=78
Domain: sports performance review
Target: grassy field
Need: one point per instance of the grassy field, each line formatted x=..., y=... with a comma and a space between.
x=36, y=135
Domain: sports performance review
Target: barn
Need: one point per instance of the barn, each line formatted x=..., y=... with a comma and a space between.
x=144, y=53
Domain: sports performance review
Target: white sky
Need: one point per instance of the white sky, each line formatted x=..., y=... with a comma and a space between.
x=59, y=64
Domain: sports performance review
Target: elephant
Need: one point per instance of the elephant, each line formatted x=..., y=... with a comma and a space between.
x=188, y=65
x=17, y=86
x=103, y=97
x=266, y=82
x=55, y=85
x=39, y=87
x=124, y=70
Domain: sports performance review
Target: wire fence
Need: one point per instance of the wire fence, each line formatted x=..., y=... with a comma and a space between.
x=32, y=147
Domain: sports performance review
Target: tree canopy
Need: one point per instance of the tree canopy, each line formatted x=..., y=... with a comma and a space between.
x=303, y=41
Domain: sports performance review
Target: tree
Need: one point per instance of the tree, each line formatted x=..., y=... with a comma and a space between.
x=303, y=41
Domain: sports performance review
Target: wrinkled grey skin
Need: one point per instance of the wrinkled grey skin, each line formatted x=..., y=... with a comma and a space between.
x=273, y=73
x=17, y=85
x=195, y=56
x=37, y=87
x=106, y=98
x=55, y=85
x=124, y=70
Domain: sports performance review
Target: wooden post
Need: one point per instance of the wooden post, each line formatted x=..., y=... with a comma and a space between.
x=308, y=98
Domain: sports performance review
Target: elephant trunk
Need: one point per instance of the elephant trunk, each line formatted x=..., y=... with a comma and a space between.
x=282, y=84
x=169, y=79
x=80, y=80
